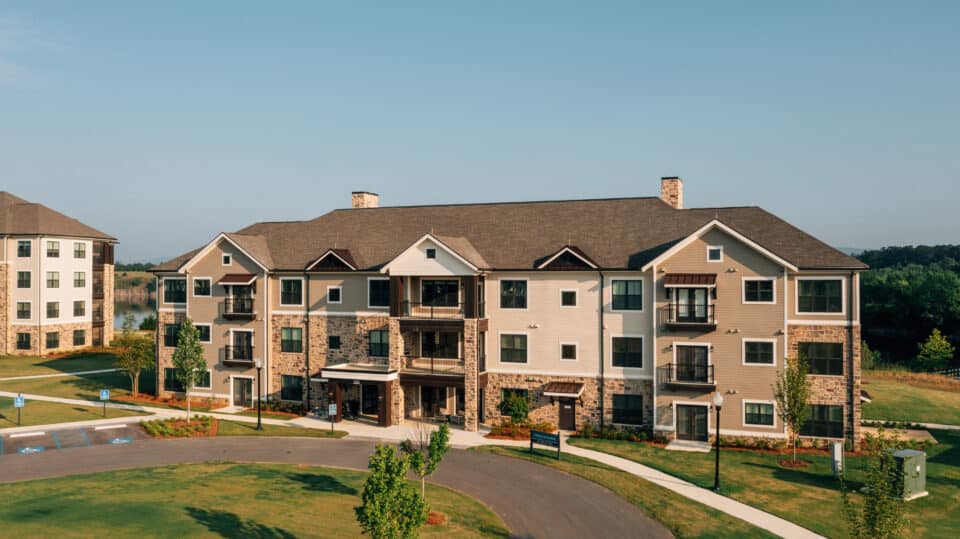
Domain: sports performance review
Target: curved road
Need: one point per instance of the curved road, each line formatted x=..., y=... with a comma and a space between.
x=533, y=500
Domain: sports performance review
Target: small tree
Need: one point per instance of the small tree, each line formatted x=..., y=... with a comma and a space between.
x=136, y=354
x=935, y=352
x=792, y=393
x=868, y=357
x=149, y=322
x=516, y=406
x=188, y=359
x=880, y=515
x=391, y=508
x=425, y=454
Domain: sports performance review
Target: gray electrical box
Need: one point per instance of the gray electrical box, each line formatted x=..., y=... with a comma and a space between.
x=913, y=464
x=837, y=454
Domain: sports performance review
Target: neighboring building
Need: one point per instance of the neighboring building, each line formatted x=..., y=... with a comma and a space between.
x=628, y=311
x=56, y=281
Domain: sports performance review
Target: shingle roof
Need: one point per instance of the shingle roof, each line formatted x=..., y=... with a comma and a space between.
x=19, y=217
x=679, y=279
x=621, y=233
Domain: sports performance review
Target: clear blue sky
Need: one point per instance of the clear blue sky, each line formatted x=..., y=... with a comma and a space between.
x=167, y=123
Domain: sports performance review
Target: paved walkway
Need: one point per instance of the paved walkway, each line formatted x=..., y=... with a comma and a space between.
x=934, y=426
x=55, y=375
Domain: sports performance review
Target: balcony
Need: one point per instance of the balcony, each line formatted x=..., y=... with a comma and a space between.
x=367, y=364
x=685, y=317
x=688, y=375
x=97, y=290
x=433, y=365
x=238, y=356
x=237, y=309
x=429, y=311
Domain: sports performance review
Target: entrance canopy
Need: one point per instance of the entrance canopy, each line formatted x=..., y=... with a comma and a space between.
x=563, y=389
x=364, y=376
x=237, y=279
x=706, y=280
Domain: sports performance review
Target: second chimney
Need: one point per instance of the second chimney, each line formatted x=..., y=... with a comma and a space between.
x=671, y=191
x=364, y=199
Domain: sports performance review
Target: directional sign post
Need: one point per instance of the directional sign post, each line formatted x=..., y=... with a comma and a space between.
x=18, y=403
x=104, y=396
x=332, y=414
x=545, y=438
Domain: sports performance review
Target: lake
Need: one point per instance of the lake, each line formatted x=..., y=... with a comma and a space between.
x=138, y=310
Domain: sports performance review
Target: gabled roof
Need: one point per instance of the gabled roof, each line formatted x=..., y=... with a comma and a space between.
x=443, y=245
x=341, y=255
x=253, y=247
x=567, y=252
x=717, y=225
x=19, y=217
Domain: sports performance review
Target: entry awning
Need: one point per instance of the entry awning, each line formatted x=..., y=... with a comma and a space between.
x=563, y=389
x=681, y=280
x=359, y=374
x=237, y=279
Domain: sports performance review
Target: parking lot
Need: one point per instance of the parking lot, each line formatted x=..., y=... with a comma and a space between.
x=41, y=440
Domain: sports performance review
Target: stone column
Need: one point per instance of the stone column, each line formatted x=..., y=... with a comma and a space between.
x=471, y=374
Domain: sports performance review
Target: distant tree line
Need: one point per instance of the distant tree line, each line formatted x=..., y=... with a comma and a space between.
x=133, y=266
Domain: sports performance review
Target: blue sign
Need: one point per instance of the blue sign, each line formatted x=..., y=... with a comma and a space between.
x=121, y=441
x=30, y=450
x=332, y=410
x=18, y=402
x=545, y=438
x=104, y=394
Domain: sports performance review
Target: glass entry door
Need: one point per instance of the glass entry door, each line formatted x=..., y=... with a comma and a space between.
x=691, y=305
x=692, y=422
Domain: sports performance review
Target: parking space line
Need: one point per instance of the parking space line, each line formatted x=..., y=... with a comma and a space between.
x=85, y=439
x=110, y=427
x=55, y=439
x=27, y=434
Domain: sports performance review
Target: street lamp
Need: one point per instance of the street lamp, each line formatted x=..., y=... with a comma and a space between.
x=717, y=404
x=259, y=363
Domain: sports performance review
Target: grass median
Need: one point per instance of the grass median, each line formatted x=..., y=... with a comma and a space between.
x=44, y=413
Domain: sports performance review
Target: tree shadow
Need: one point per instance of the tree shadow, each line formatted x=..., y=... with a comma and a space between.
x=227, y=524
x=804, y=477
x=322, y=483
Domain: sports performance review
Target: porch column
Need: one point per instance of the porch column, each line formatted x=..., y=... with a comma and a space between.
x=470, y=375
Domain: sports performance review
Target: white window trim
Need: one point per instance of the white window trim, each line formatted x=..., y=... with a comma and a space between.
x=338, y=287
x=253, y=336
x=706, y=405
x=500, y=297
x=28, y=242
x=253, y=393
x=426, y=253
x=643, y=351
x=164, y=283
x=743, y=352
x=368, y=354
x=302, y=348
x=743, y=291
x=46, y=251
x=17, y=279
x=743, y=413
x=576, y=347
x=208, y=279
x=302, y=291
x=643, y=295
x=47, y=280
x=228, y=257
x=500, y=348
x=211, y=333
x=210, y=372
x=74, y=308
x=16, y=310
x=843, y=294
x=82, y=274
x=709, y=247
x=46, y=311
x=576, y=298
x=75, y=244
x=369, y=280
x=707, y=345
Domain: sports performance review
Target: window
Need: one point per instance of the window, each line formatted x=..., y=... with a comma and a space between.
x=170, y=381
x=79, y=337
x=204, y=331
x=291, y=388
x=379, y=343
x=714, y=253
x=378, y=293
x=227, y=260
x=201, y=287
x=333, y=342
x=431, y=253
x=53, y=279
x=291, y=291
x=508, y=391
x=53, y=339
x=79, y=250
x=441, y=344
x=822, y=357
x=291, y=340
x=758, y=353
x=568, y=298
x=23, y=279
x=334, y=294
x=513, y=294
x=758, y=291
x=23, y=310
x=204, y=381
x=758, y=414
x=53, y=249
x=628, y=352
x=53, y=309
x=79, y=279
x=171, y=332
x=568, y=351
x=23, y=341
x=513, y=348
x=627, y=295
x=79, y=308
x=628, y=409
x=824, y=420
x=24, y=251
x=440, y=293
x=174, y=290
x=692, y=363
x=819, y=295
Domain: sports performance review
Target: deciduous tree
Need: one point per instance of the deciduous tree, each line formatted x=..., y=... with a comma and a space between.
x=792, y=394
x=188, y=359
x=391, y=508
x=426, y=453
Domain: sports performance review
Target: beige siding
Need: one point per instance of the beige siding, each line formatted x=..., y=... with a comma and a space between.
x=848, y=288
x=353, y=293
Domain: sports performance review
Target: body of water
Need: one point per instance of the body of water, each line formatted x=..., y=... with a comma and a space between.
x=138, y=310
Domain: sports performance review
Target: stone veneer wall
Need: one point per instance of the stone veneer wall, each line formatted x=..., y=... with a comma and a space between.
x=628, y=386
x=843, y=390
x=165, y=353
x=38, y=338
x=4, y=309
x=471, y=374
x=108, y=298
x=286, y=363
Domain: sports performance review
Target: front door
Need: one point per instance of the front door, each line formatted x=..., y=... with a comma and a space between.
x=369, y=402
x=692, y=422
x=568, y=414
x=692, y=305
x=242, y=392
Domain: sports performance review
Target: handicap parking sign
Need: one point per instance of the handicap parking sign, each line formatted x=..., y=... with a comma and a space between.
x=18, y=401
x=104, y=394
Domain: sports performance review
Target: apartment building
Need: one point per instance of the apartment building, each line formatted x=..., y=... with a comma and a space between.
x=56, y=281
x=629, y=311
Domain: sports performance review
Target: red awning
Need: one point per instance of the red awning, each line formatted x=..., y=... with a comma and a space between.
x=690, y=279
x=237, y=279
x=562, y=389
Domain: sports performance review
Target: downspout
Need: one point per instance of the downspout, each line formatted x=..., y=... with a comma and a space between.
x=306, y=318
x=600, y=391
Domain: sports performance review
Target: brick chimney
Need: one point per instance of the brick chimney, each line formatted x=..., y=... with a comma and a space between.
x=364, y=199
x=671, y=191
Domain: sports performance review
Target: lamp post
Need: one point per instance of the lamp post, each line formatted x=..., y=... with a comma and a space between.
x=259, y=364
x=717, y=404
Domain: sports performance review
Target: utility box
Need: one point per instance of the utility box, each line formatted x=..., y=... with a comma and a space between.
x=837, y=453
x=913, y=464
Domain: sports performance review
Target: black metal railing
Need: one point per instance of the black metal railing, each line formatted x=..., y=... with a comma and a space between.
x=241, y=307
x=98, y=314
x=238, y=354
x=417, y=309
x=97, y=290
x=685, y=314
x=688, y=373
x=366, y=361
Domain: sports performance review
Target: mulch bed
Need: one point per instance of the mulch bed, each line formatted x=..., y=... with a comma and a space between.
x=197, y=404
x=272, y=412
x=436, y=519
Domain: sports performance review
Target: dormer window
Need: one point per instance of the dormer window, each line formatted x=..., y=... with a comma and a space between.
x=714, y=253
x=227, y=259
x=431, y=253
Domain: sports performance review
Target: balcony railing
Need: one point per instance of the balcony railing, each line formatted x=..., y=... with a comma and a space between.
x=416, y=309
x=433, y=365
x=379, y=363
x=684, y=316
x=238, y=355
x=97, y=290
x=98, y=314
x=237, y=308
x=686, y=374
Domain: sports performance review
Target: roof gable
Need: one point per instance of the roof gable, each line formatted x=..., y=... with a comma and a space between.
x=417, y=260
x=232, y=239
x=567, y=258
x=333, y=260
x=716, y=224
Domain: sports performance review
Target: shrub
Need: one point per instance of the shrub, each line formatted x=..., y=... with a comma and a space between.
x=586, y=430
x=516, y=406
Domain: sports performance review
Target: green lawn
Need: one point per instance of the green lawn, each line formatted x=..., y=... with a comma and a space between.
x=684, y=517
x=45, y=413
x=216, y=500
x=809, y=497
x=29, y=365
x=232, y=428
x=895, y=400
x=85, y=387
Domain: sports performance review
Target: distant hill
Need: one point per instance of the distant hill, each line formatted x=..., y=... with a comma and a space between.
x=852, y=251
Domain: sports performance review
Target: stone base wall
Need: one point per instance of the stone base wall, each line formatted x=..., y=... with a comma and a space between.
x=628, y=386
x=165, y=353
x=38, y=339
x=4, y=309
x=108, y=284
x=470, y=383
x=354, y=339
x=286, y=363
